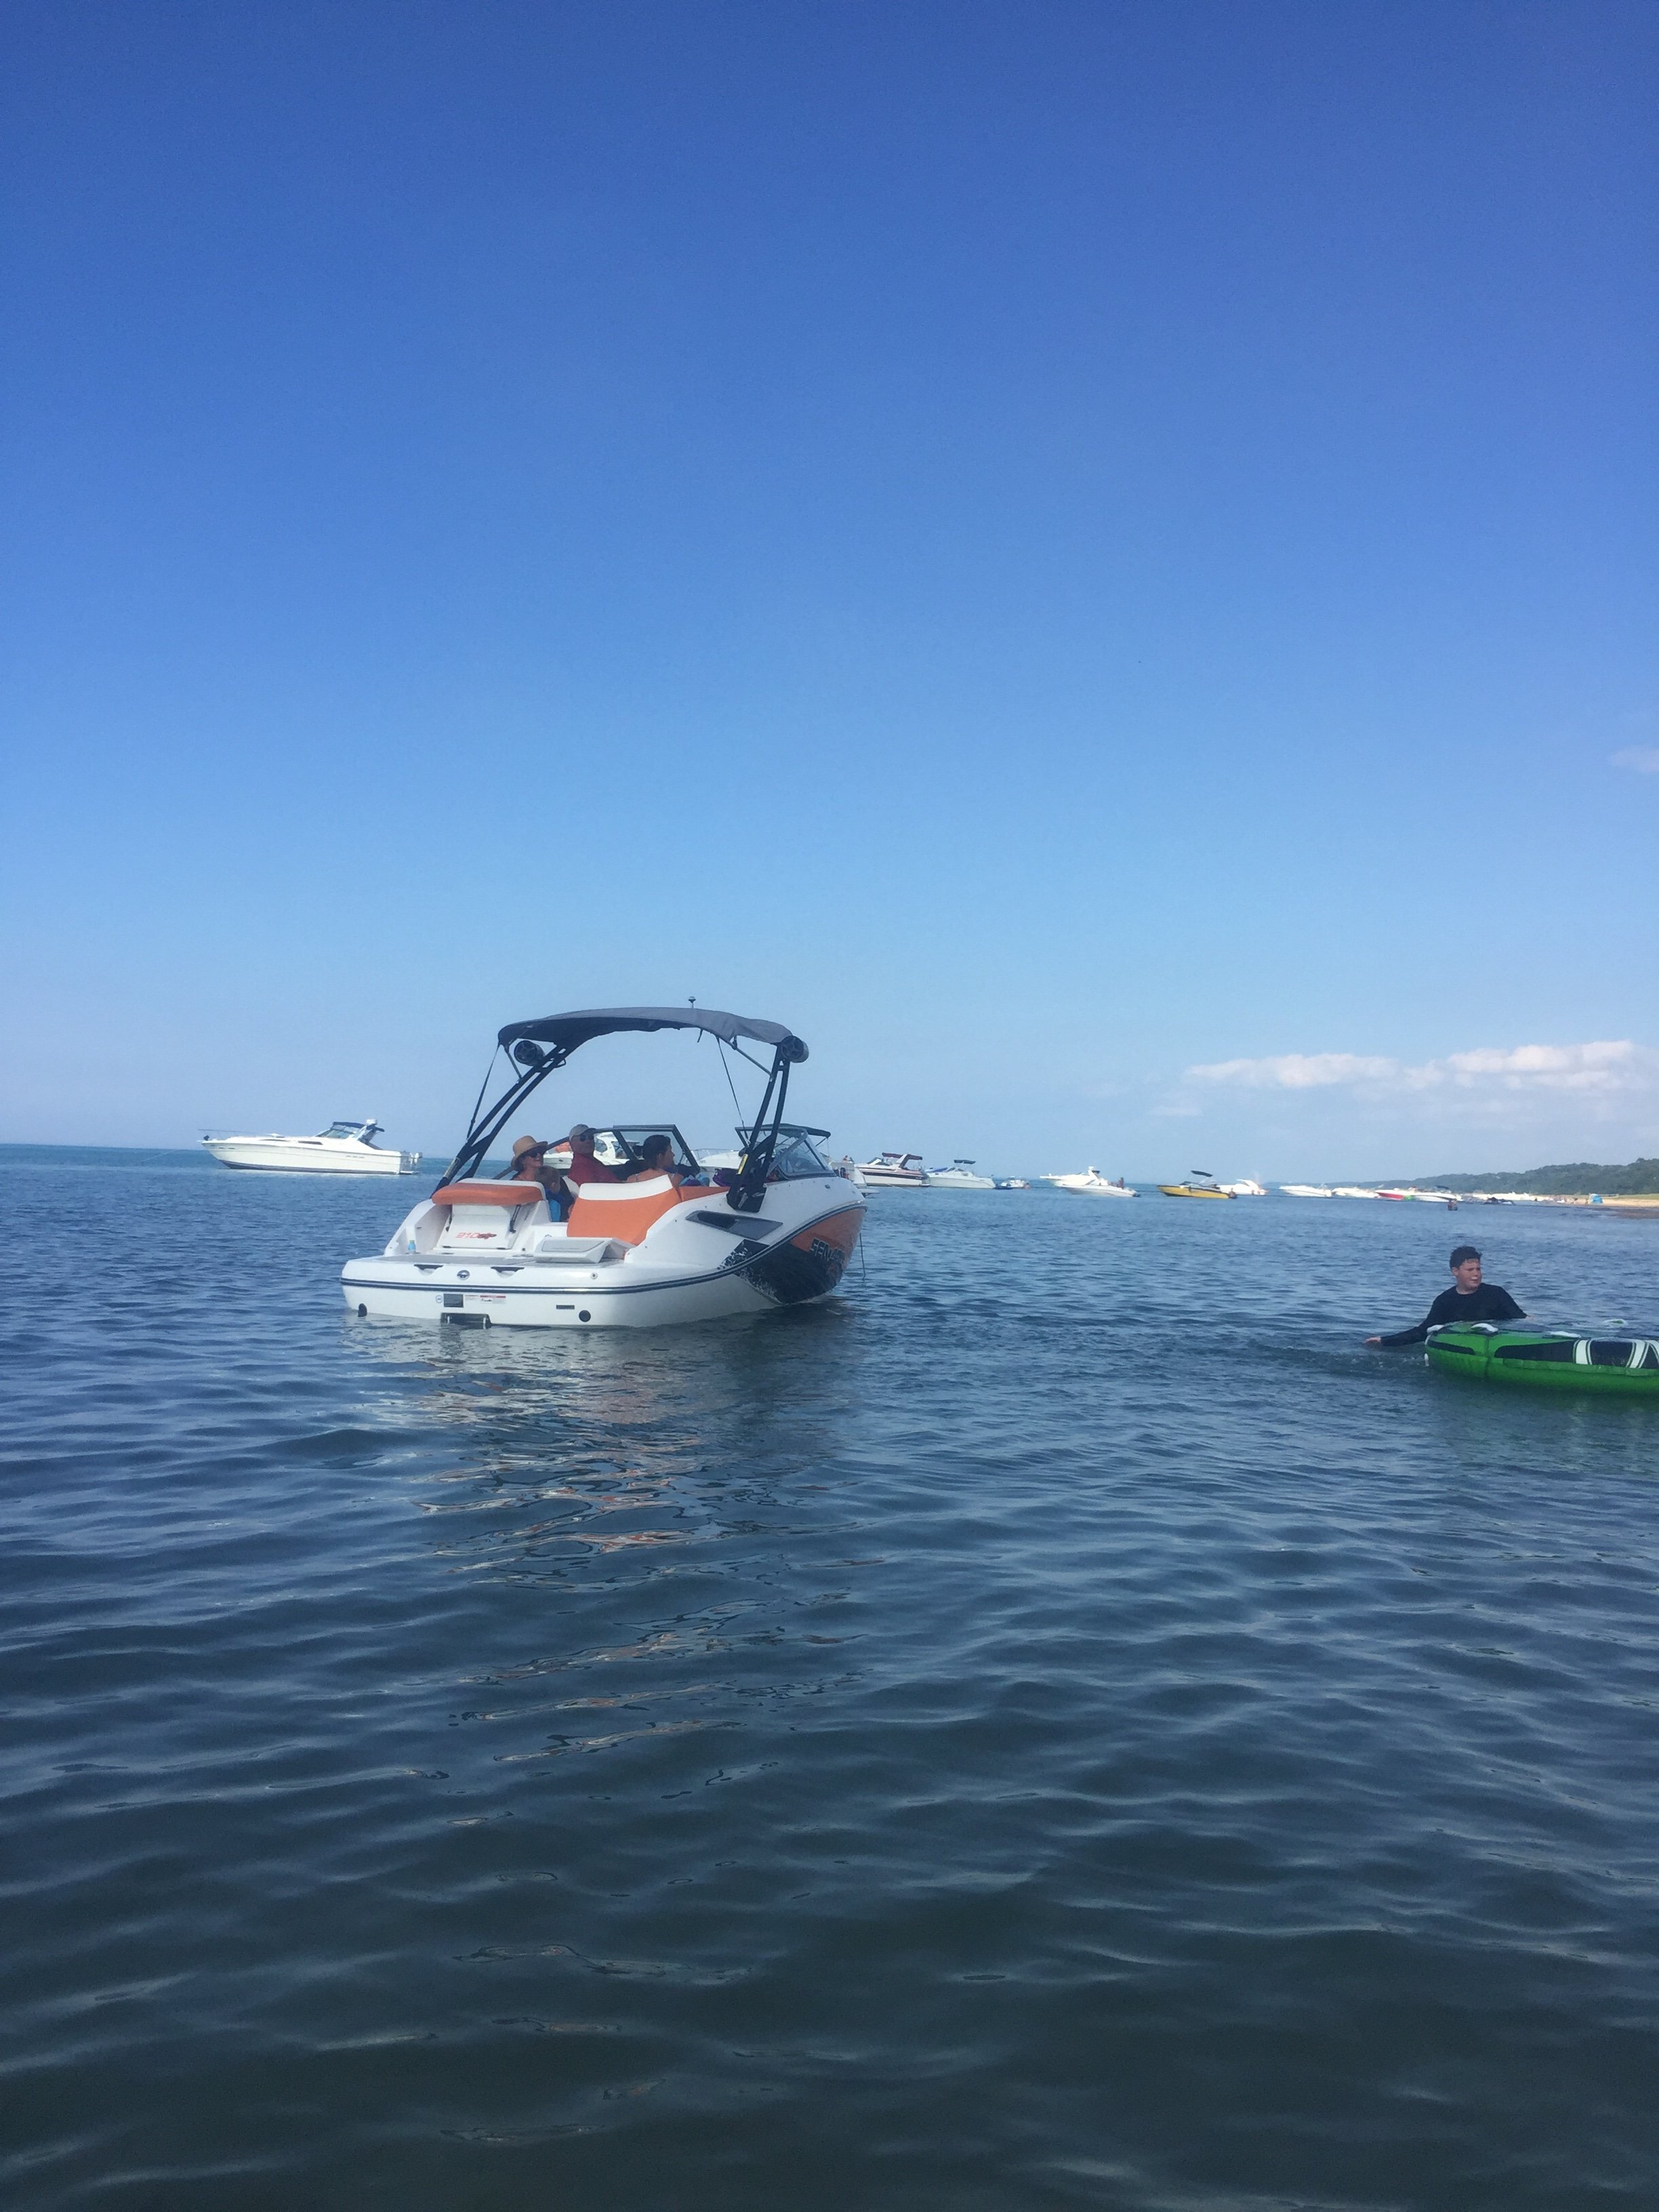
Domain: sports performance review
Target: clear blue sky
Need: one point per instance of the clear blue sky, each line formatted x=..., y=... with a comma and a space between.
x=1048, y=546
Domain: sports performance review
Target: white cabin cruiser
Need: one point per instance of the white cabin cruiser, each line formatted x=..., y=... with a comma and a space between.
x=1092, y=1184
x=1248, y=1188
x=777, y=1230
x=959, y=1177
x=894, y=1171
x=343, y=1148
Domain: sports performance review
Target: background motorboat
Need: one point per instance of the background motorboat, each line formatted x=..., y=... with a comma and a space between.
x=1092, y=1184
x=894, y=1171
x=639, y=1253
x=1012, y=1182
x=1247, y=1188
x=1203, y=1185
x=1307, y=1190
x=959, y=1177
x=343, y=1148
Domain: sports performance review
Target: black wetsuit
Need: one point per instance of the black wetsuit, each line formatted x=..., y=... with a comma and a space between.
x=1489, y=1303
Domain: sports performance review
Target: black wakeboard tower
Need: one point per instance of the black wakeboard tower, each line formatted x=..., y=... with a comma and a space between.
x=535, y=1049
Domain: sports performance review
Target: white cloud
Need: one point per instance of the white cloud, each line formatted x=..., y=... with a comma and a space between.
x=1608, y=1065
x=1643, y=759
x=1299, y=1071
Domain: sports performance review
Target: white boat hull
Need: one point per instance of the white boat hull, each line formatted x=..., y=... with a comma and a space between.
x=309, y=1156
x=524, y=1271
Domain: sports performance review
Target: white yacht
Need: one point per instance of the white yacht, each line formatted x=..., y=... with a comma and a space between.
x=629, y=1249
x=894, y=1171
x=1091, y=1184
x=959, y=1177
x=1247, y=1188
x=1307, y=1190
x=343, y=1148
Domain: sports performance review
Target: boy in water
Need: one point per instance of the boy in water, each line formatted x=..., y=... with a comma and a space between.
x=1468, y=1299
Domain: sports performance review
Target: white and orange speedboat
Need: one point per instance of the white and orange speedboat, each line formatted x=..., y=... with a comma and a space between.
x=777, y=1230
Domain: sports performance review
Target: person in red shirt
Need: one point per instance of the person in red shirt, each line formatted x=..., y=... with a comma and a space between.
x=584, y=1168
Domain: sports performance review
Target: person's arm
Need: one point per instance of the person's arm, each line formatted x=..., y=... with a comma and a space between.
x=1509, y=1310
x=1417, y=1335
x=1432, y=1319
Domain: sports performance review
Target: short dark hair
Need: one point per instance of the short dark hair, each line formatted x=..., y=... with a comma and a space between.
x=658, y=1144
x=1462, y=1252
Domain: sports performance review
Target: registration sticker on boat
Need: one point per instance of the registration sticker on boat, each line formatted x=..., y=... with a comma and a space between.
x=487, y=1297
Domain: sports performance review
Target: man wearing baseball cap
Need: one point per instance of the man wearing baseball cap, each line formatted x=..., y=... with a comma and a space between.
x=584, y=1168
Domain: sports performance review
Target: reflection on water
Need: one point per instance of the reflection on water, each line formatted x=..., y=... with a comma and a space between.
x=989, y=1742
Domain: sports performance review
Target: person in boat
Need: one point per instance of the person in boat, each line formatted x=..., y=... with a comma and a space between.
x=657, y=1154
x=530, y=1164
x=1468, y=1299
x=583, y=1166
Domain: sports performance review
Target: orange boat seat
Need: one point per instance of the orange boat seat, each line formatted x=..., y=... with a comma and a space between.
x=488, y=1193
x=626, y=1209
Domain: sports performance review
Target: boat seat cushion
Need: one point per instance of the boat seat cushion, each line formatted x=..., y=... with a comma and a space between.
x=626, y=1209
x=488, y=1193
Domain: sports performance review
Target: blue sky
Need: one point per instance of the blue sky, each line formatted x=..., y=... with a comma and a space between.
x=1050, y=547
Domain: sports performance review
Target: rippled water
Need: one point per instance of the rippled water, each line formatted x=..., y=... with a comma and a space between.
x=1061, y=1725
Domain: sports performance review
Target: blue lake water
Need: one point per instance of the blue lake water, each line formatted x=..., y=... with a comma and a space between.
x=1061, y=1725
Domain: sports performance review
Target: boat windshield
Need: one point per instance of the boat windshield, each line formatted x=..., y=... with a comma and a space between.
x=363, y=1129
x=622, y=1147
x=796, y=1156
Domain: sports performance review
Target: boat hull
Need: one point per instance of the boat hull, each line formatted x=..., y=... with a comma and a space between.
x=308, y=1156
x=682, y=1272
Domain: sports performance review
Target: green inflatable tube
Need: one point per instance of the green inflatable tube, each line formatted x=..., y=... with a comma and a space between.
x=1550, y=1359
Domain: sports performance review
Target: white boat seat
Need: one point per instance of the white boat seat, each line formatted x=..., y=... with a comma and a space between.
x=484, y=1216
x=565, y=1251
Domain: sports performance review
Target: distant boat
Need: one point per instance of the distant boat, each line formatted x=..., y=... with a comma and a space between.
x=1355, y=1190
x=1012, y=1182
x=959, y=1177
x=894, y=1171
x=1247, y=1188
x=1203, y=1185
x=343, y=1148
x=1307, y=1190
x=1092, y=1184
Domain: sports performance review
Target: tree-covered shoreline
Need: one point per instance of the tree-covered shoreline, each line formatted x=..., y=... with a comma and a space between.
x=1577, y=1180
